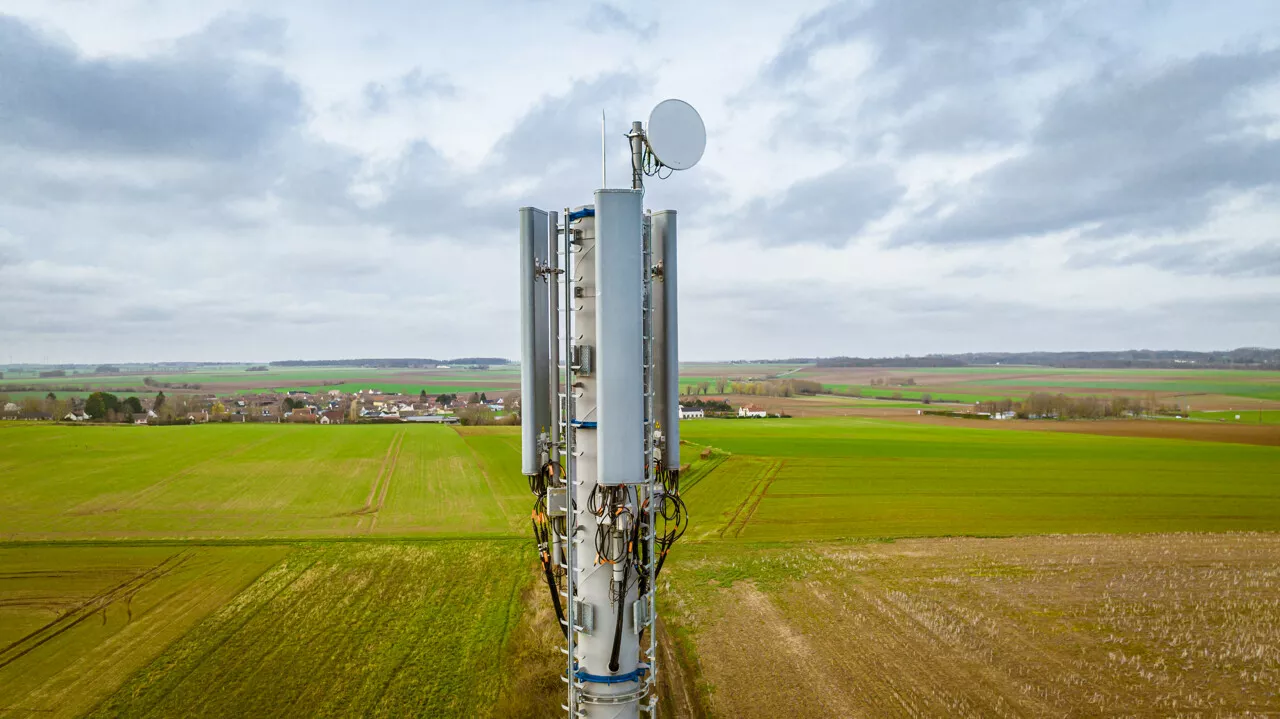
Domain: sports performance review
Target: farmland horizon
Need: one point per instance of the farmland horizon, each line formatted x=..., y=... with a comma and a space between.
x=1272, y=353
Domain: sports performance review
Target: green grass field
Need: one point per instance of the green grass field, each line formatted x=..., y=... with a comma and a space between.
x=981, y=383
x=826, y=478
x=249, y=481
x=783, y=479
x=339, y=630
x=1246, y=416
x=293, y=570
x=938, y=395
x=75, y=622
x=406, y=388
x=1244, y=384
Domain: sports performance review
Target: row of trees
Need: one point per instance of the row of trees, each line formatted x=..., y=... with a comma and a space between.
x=1043, y=404
x=777, y=388
x=710, y=405
x=764, y=388
x=107, y=406
x=99, y=405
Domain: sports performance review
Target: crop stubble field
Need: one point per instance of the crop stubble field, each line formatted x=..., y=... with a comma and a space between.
x=382, y=570
x=1066, y=626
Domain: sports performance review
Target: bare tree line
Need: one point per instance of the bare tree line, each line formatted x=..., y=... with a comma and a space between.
x=765, y=388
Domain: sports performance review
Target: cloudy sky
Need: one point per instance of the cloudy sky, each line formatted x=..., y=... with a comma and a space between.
x=252, y=181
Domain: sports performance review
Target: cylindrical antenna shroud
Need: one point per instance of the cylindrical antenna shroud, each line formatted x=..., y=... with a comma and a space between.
x=666, y=338
x=620, y=335
x=535, y=369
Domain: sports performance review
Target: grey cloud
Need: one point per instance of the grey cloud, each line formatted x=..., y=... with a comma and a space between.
x=144, y=314
x=1204, y=258
x=826, y=318
x=609, y=17
x=956, y=122
x=181, y=103
x=424, y=196
x=938, y=70
x=553, y=149
x=419, y=84
x=414, y=85
x=550, y=158
x=828, y=210
x=199, y=135
x=377, y=98
x=1127, y=151
x=237, y=32
x=564, y=128
x=899, y=28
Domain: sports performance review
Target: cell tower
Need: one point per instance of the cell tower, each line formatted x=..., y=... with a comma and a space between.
x=600, y=419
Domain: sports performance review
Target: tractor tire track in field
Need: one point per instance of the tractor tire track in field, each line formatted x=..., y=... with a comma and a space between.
x=388, y=458
x=381, y=485
x=76, y=615
x=386, y=485
x=747, y=507
x=770, y=475
x=242, y=621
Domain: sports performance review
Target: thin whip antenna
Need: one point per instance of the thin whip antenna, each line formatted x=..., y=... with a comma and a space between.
x=604, y=172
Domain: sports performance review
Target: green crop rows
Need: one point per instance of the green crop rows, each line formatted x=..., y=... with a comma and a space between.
x=815, y=479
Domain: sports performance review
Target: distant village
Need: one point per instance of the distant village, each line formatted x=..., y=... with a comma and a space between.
x=332, y=406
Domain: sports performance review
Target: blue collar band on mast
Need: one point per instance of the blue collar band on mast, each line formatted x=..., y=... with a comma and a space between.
x=632, y=676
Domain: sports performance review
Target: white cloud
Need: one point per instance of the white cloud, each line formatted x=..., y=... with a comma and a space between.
x=217, y=182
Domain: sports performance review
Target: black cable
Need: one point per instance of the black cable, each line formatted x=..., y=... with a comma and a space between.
x=542, y=536
x=617, y=628
x=551, y=580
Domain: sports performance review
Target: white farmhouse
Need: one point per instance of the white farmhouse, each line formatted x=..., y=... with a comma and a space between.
x=691, y=412
x=750, y=410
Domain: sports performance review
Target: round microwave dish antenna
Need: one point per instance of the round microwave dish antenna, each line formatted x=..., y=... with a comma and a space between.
x=676, y=134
